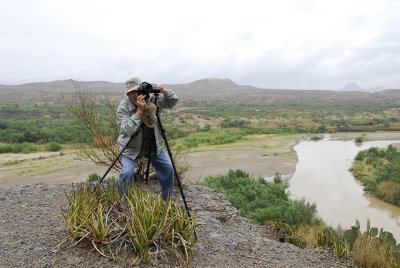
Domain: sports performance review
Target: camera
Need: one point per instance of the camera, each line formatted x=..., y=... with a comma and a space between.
x=147, y=88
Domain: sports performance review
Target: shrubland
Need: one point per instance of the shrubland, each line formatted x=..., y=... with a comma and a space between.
x=379, y=171
x=202, y=123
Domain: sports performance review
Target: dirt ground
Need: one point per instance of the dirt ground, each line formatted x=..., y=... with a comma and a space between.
x=261, y=155
x=46, y=167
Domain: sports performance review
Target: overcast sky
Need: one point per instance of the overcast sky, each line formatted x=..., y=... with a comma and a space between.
x=297, y=44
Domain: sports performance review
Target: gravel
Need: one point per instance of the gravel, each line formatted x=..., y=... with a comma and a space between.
x=31, y=228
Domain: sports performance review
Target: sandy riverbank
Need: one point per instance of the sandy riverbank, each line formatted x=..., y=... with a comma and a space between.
x=260, y=156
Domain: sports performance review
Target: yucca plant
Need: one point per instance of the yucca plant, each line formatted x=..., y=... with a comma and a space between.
x=98, y=224
x=341, y=248
x=287, y=233
x=142, y=220
x=153, y=221
x=326, y=238
x=79, y=210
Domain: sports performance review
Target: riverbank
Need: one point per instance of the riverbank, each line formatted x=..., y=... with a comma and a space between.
x=260, y=156
x=367, y=136
x=378, y=171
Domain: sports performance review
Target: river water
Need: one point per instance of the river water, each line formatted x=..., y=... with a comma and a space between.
x=322, y=176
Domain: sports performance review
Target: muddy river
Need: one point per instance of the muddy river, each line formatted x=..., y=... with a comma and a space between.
x=322, y=176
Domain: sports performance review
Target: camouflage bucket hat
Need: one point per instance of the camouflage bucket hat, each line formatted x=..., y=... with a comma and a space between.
x=132, y=84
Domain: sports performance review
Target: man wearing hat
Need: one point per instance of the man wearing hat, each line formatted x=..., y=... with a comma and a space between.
x=130, y=115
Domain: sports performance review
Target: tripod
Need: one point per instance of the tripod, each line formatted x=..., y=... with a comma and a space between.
x=162, y=130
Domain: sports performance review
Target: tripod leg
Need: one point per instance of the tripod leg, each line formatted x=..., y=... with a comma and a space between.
x=173, y=165
x=149, y=157
x=115, y=160
x=162, y=130
x=148, y=169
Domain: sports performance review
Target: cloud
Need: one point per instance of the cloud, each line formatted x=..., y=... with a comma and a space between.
x=270, y=44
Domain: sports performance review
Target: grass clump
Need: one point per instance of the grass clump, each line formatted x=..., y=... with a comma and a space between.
x=359, y=139
x=371, y=253
x=141, y=224
x=93, y=177
x=316, y=138
x=53, y=147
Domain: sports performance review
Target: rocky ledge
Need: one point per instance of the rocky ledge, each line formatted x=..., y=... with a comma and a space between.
x=31, y=227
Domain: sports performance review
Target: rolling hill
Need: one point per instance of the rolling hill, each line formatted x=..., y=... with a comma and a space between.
x=203, y=90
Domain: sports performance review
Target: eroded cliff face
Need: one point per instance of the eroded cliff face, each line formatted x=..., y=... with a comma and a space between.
x=31, y=229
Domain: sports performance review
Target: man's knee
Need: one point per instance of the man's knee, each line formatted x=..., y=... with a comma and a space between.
x=126, y=174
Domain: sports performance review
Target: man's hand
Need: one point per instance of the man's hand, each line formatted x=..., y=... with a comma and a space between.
x=140, y=103
x=162, y=89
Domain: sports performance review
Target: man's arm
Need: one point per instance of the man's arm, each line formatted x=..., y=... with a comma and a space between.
x=128, y=124
x=168, y=99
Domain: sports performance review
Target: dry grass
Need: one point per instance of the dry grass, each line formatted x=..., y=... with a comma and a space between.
x=372, y=253
x=309, y=234
x=386, y=190
x=317, y=236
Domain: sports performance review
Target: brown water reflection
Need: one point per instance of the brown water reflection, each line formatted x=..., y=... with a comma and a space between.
x=322, y=175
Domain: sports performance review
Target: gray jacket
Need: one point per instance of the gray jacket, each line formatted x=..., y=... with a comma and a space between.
x=129, y=123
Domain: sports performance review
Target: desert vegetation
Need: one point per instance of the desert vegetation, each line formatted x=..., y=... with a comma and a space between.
x=297, y=221
x=261, y=201
x=378, y=169
x=27, y=122
x=206, y=124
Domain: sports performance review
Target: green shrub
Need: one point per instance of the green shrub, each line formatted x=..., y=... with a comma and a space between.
x=322, y=129
x=361, y=155
x=229, y=123
x=359, y=139
x=53, y=146
x=277, y=177
x=316, y=138
x=261, y=201
x=93, y=177
x=379, y=169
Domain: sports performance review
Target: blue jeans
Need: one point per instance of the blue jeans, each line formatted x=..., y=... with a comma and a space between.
x=163, y=166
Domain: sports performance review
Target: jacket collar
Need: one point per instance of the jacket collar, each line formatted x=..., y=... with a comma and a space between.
x=131, y=106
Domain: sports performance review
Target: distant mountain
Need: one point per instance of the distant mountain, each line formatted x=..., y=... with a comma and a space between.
x=213, y=86
x=203, y=90
x=353, y=86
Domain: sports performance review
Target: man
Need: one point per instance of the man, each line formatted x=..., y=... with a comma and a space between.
x=130, y=115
